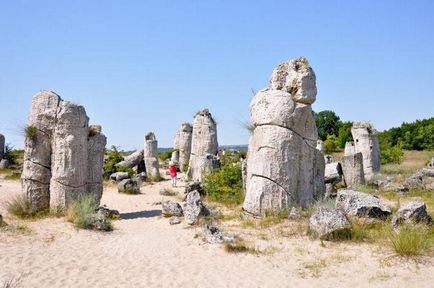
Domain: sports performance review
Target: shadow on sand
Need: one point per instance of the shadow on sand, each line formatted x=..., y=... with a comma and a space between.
x=140, y=214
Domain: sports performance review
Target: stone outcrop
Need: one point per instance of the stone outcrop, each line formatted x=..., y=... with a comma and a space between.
x=349, y=148
x=2, y=146
x=320, y=146
x=185, y=135
x=62, y=155
x=333, y=172
x=170, y=208
x=194, y=208
x=325, y=222
x=413, y=212
x=244, y=173
x=204, y=146
x=175, y=157
x=284, y=168
x=421, y=179
x=366, y=142
x=359, y=204
x=119, y=176
x=151, y=156
x=132, y=160
x=352, y=167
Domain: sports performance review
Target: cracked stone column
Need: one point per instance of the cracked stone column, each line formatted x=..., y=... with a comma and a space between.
x=184, y=145
x=96, y=149
x=36, y=175
x=284, y=168
x=2, y=146
x=204, y=145
x=150, y=156
x=69, y=156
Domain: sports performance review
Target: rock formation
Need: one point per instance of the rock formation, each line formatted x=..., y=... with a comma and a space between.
x=359, y=204
x=352, y=166
x=184, y=145
x=63, y=158
x=366, y=142
x=151, y=156
x=132, y=160
x=2, y=146
x=413, y=212
x=284, y=168
x=204, y=146
x=325, y=222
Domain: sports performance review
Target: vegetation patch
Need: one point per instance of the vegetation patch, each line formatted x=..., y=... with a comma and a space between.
x=240, y=247
x=31, y=132
x=412, y=240
x=225, y=185
x=82, y=212
x=21, y=207
x=166, y=154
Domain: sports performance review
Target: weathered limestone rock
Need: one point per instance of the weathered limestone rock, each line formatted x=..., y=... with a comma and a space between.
x=35, y=179
x=174, y=220
x=184, y=145
x=204, y=145
x=69, y=156
x=320, y=146
x=151, y=156
x=4, y=163
x=62, y=155
x=119, y=176
x=96, y=149
x=412, y=213
x=2, y=146
x=132, y=160
x=327, y=221
x=366, y=142
x=349, y=148
x=194, y=208
x=414, y=181
x=333, y=172
x=108, y=213
x=352, y=167
x=361, y=204
x=129, y=186
x=175, y=157
x=244, y=173
x=330, y=191
x=170, y=208
x=213, y=235
x=284, y=168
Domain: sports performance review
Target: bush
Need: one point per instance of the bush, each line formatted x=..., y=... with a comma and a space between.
x=225, y=185
x=21, y=207
x=31, y=132
x=13, y=155
x=166, y=154
x=389, y=153
x=412, y=241
x=330, y=144
x=82, y=211
x=184, y=167
x=113, y=158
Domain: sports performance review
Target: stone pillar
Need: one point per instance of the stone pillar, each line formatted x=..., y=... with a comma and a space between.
x=366, y=142
x=352, y=166
x=36, y=175
x=204, y=146
x=349, y=148
x=284, y=168
x=150, y=156
x=184, y=145
x=2, y=146
x=70, y=155
x=175, y=157
x=96, y=150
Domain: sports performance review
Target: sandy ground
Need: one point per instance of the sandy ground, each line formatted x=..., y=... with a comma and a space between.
x=145, y=251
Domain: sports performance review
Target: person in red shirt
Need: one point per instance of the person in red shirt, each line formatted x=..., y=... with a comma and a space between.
x=172, y=170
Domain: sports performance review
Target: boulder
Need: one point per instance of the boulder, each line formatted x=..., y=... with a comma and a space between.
x=333, y=172
x=100, y=221
x=175, y=156
x=352, y=168
x=195, y=186
x=108, y=213
x=327, y=222
x=119, y=176
x=170, y=208
x=213, y=235
x=174, y=220
x=361, y=204
x=194, y=208
x=413, y=212
x=2, y=146
x=128, y=186
x=132, y=160
x=415, y=181
x=4, y=163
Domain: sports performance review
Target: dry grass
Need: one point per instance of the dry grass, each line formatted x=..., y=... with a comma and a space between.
x=412, y=241
x=240, y=247
x=412, y=161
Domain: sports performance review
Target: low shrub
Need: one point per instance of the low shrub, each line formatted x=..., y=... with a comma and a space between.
x=30, y=132
x=21, y=207
x=113, y=157
x=225, y=185
x=412, y=240
x=166, y=154
x=81, y=212
x=239, y=247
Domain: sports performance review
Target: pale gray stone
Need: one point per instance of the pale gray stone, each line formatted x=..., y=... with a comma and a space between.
x=4, y=163
x=151, y=156
x=119, y=176
x=174, y=220
x=361, y=204
x=170, y=208
x=333, y=172
x=213, y=235
x=129, y=186
x=96, y=149
x=244, y=173
x=204, y=143
x=2, y=146
x=175, y=157
x=194, y=208
x=330, y=191
x=320, y=146
x=184, y=144
x=412, y=213
x=349, y=148
x=294, y=214
x=352, y=167
x=326, y=221
x=132, y=160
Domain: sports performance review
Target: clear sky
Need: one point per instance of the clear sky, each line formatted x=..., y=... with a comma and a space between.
x=140, y=66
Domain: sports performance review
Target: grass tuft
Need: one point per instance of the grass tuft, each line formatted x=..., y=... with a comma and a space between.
x=240, y=247
x=412, y=240
x=81, y=212
x=21, y=207
x=31, y=132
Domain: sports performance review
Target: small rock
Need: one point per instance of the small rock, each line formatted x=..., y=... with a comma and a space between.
x=327, y=221
x=361, y=204
x=119, y=176
x=195, y=186
x=333, y=172
x=214, y=235
x=129, y=186
x=294, y=214
x=174, y=220
x=4, y=163
x=108, y=213
x=411, y=213
x=170, y=208
x=415, y=181
x=100, y=222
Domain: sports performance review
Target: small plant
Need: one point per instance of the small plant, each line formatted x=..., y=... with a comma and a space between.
x=94, y=130
x=185, y=166
x=225, y=185
x=31, y=132
x=113, y=158
x=82, y=211
x=411, y=241
x=240, y=247
x=21, y=207
x=248, y=126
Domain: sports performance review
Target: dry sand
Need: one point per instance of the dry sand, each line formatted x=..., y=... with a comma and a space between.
x=145, y=251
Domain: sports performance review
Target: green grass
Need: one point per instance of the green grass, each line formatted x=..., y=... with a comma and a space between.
x=225, y=186
x=31, y=132
x=81, y=212
x=240, y=247
x=21, y=207
x=412, y=240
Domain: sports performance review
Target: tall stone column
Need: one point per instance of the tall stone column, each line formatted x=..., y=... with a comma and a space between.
x=151, y=156
x=184, y=145
x=2, y=146
x=96, y=150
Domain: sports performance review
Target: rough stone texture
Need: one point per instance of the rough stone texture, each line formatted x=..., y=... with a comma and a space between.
x=195, y=186
x=213, y=235
x=184, y=144
x=174, y=220
x=320, y=146
x=366, y=142
x=352, y=167
x=326, y=221
x=69, y=156
x=412, y=213
x=4, y=163
x=361, y=204
x=333, y=172
x=349, y=148
x=129, y=186
x=96, y=149
x=132, y=160
x=284, y=168
x=119, y=176
x=151, y=156
x=294, y=214
x=170, y=208
x=100, y=222
x=421, y=179
x=35, y=179
x=2, y=146
x=203, y=145
x=244, y=173
x=194, y=208
x=330, y=191
x=175, y=157
x=108, y=213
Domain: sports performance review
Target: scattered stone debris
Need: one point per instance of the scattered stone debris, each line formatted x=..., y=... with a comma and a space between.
x=325, y=222
x=213, y=235
x=174, y=220
x=170, y=208
x=129, y=186
x=413, y=212
x=109, y=213
x=361, y=204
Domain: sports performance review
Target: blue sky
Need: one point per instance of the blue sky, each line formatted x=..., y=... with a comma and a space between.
x=140, y=66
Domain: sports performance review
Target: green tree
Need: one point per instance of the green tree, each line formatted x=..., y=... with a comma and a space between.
x=330, y=144
x=327, y=123
x=344, y=134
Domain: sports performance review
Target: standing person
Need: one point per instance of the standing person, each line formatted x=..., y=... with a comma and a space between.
x=172, y=170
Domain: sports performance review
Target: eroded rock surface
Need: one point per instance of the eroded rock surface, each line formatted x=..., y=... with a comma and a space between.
x=184, y=138
x=412, y=213
x=327, y=221
x=359, y=204
x=151, y=156
x=352, y=167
